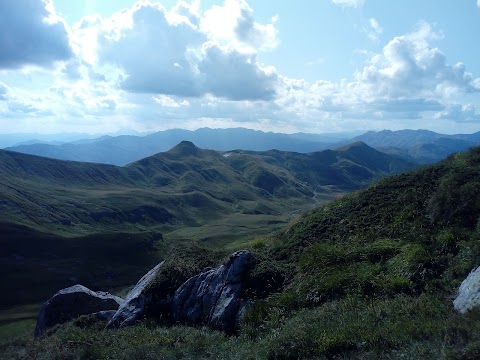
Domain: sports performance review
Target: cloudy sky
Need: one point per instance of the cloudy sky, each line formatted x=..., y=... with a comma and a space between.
x=284, y=66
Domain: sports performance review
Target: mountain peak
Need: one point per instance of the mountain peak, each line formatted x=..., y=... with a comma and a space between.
x=185, y=148
x=354, y=145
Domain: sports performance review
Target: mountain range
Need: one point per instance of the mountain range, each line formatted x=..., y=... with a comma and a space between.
x=422, y=146
x=416, y=145
x=122, y=150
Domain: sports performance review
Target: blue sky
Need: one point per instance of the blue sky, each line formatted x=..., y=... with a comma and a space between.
x=285, y=66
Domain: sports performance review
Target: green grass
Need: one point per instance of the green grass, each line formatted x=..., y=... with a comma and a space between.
x=423, y=327
x=18, y=321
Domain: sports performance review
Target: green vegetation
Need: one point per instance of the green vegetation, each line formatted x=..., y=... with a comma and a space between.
x=367, y=276
x=184, y=188
x=65, y=222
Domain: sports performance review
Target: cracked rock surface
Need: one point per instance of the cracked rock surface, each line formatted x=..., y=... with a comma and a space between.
x=215, y=296
x=133, y=308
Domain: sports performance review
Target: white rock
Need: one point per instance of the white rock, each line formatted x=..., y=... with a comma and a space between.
x=469, y=293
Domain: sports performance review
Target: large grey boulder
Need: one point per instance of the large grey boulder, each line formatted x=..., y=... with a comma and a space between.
x=71, y=302
x=215, y=296
x=468, y=295
x=137, y=300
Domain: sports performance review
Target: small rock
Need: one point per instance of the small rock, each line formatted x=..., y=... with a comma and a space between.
x=468, y=295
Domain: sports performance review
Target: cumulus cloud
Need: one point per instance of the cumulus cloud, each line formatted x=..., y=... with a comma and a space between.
x=409, y=64
x=152, y=67
x=153, y=53
x=349, y=3
x=182, y=60
x=409, y=79
x=236, y=76
x=233, y=23
x=460, y=113
x=31, y=34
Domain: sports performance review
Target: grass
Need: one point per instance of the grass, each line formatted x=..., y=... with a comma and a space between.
x=423, y=327
x=18, y=320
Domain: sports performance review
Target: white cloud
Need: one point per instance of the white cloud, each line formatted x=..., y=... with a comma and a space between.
x=31, y=34
x=182, y=60
x=410, y=79
x=460, y=113
x=167, y=101
x=349, y=3
x=169, y=67
x=233, y=23
x=235, y=76
x=375, y=26
x=410, y=65
x=478, y=3
x=375, y=29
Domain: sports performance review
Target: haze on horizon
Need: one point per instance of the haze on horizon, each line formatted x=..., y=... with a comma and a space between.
x=326, y=66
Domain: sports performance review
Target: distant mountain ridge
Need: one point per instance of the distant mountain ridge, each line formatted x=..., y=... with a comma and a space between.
x=423, y=146
x=122, y=150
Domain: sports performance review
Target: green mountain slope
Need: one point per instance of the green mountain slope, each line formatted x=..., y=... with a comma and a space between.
x=369, y=276
x=185, y=185
x=68, y=210
x=372, y=275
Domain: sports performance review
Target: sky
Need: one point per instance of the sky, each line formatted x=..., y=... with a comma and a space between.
x=315, y=66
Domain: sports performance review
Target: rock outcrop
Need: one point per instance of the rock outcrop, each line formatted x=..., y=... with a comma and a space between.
x=468, y=295
x=214, y=297
x=133, y=308
x=72, y=302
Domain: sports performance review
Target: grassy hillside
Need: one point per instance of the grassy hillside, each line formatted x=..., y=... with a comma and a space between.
x=372, y=275
x=184, y=187
x=64, y=222
x=368, y=276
